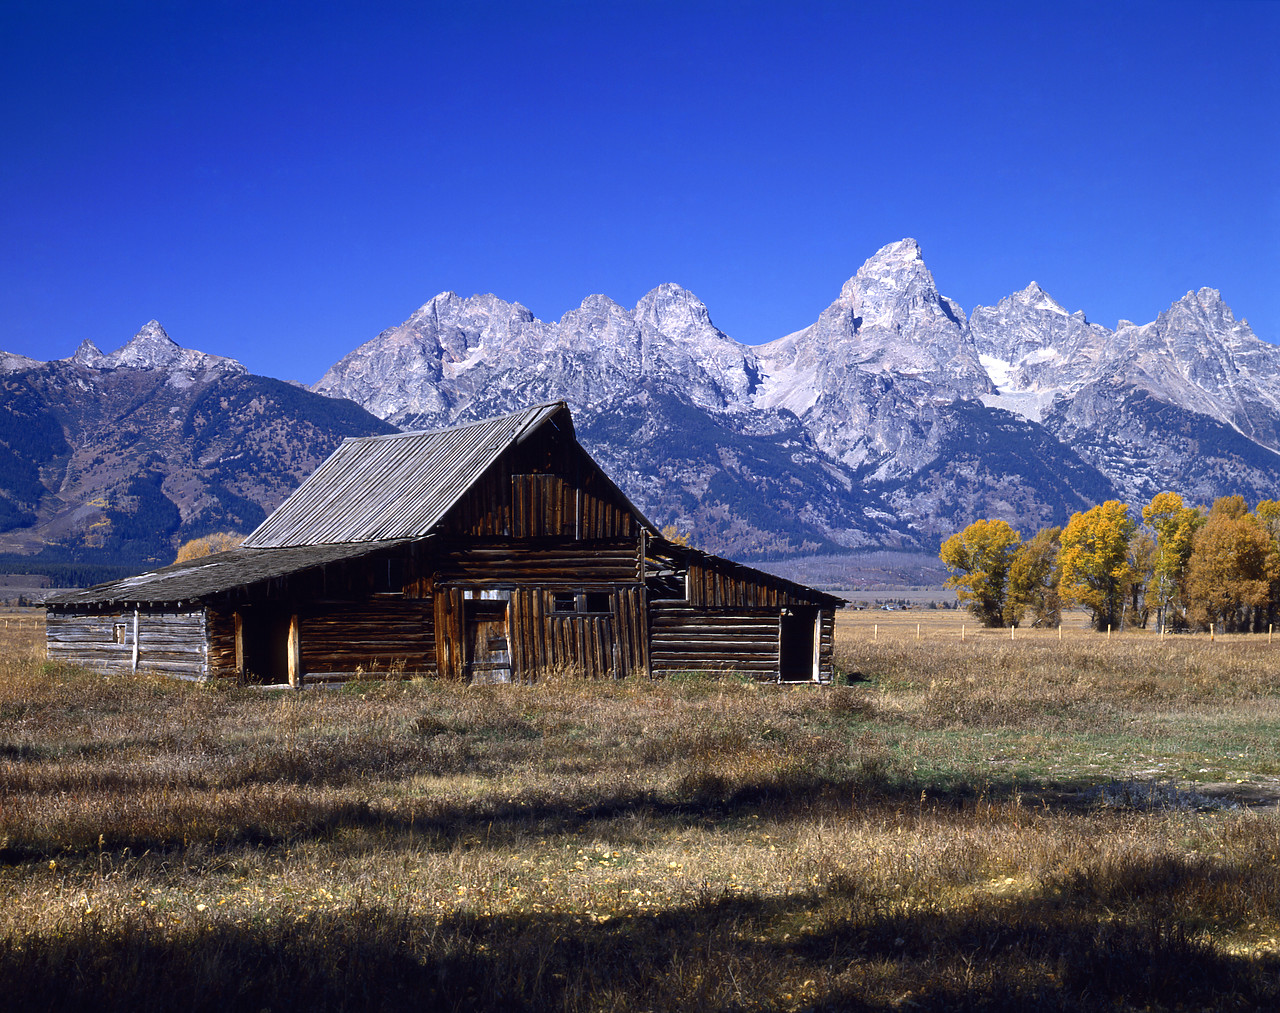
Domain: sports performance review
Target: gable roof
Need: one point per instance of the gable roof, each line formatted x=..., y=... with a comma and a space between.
x=378, y=488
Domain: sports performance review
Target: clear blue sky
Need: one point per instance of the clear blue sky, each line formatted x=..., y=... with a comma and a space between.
x=280, y=181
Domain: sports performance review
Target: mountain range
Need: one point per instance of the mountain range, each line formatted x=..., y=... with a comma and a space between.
x=891, y=421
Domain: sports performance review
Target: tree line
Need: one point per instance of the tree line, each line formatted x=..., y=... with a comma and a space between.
x=1182, y=567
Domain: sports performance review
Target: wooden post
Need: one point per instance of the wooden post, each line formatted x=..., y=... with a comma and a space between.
x=875, y=632
x=295, y=653
x=1270, y=627
x=239, y=624
x=917, y=631
x=135, y=639
x=1059, y=631
x=1211, y=633
x=1108, y=631
x=962, y=633
x=1011, y=629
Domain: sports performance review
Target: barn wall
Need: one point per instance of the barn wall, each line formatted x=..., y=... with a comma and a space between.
x=716, y=586
x=685, y=638
x=548, y=562
x=375, y=638
x=542, y=493
x=169, y=641
x=598, y=645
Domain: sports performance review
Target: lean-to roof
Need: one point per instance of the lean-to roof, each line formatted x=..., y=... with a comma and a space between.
x=210, y=575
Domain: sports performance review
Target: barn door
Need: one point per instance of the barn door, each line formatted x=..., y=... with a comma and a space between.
x=488, y=651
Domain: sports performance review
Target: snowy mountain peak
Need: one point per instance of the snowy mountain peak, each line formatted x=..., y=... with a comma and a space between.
x=88, y=354
x=150, y=348
x=676, y=312
x=1036, y=297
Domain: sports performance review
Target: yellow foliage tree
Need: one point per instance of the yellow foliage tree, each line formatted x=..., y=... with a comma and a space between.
x=979, y=558
x=207, y=545
x=672, y=534
x=1175, y=526
x=1231, y=570
x=1033, y=581
x=1094, y=565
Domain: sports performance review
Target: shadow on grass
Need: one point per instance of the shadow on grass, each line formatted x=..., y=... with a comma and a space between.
x=714, y=953
x=290, y=817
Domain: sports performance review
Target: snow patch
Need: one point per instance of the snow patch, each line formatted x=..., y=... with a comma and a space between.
x=791, y=387
x=998, y=369
x=1030, y=405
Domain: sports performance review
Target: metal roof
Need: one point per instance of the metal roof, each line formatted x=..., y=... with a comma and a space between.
x=377, y=488
x=201, y=578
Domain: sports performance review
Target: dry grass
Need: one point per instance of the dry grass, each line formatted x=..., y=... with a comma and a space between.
x=694, y=844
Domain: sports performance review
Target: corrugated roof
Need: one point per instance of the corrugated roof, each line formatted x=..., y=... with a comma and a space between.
x=210, y=575
x=379, y=488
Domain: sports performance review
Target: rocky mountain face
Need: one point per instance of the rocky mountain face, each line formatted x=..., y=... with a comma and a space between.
x=120, y=457
x=893, y=419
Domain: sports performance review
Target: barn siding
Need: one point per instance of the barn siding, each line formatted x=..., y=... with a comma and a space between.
x=559, y=562
x=372, y=639
x=169, y=640
x=826, y=642
x=684, y=638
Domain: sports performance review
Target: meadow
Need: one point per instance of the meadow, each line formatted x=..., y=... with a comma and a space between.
x=1084, y=823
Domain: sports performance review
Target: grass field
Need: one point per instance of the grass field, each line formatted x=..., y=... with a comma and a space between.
x=977, y=824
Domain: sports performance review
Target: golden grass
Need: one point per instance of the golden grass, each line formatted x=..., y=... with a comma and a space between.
x=905, y=842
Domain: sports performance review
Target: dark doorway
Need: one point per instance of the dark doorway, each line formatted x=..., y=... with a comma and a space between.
x=266, y=646
x=797, y=631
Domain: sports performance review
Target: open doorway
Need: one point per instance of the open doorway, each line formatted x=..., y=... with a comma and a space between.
x=264, y=645
x=797, y=644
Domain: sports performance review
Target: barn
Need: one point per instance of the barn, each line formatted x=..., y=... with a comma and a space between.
x=490, y=552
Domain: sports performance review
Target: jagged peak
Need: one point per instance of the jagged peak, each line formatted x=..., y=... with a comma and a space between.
x=1035, y=297
x=88, y=354
x=150, y=347
x=449, y=304
x=900, y=263
x=674, y=310
x=598, y=302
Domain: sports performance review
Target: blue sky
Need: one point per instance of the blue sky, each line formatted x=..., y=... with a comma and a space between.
x=281, y=181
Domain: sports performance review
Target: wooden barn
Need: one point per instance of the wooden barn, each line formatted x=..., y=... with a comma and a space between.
x=490, y=552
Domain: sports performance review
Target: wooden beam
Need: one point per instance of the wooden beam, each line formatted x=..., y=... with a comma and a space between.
x=295, y=653
x=239, y=635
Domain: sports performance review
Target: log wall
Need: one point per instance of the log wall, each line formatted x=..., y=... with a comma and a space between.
x=826, y=644
x=378, y=638
x=168, y=641
x=684, y=638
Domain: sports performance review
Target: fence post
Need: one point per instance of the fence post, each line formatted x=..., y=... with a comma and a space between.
x=875, y=632
x=1211, y=633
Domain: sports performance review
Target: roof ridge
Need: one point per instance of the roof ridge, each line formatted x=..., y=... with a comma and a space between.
x=531, y=409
